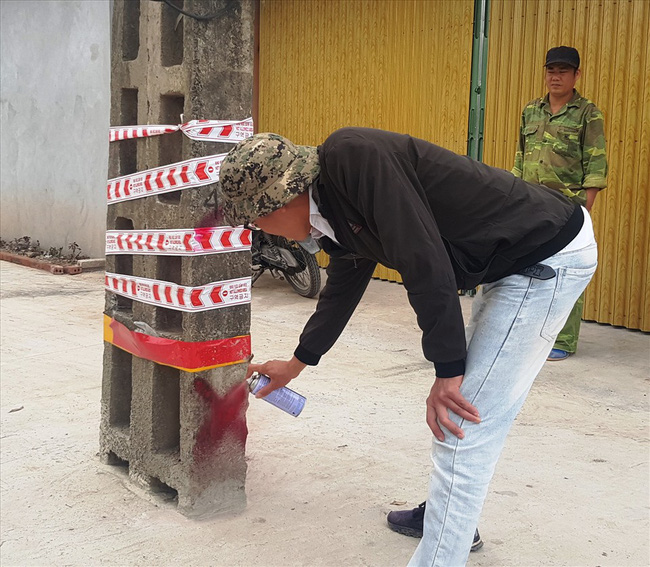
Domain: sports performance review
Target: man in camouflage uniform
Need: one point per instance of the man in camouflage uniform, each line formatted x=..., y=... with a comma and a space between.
x=562, y=146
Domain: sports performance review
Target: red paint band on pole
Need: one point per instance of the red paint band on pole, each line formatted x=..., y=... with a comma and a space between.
x=187, y=356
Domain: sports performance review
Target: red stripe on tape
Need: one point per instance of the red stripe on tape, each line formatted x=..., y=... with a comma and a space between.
x=215, y=295
x=203, y=236
x=200, y=171
x=225, y=238
x=184, y=177
x=170, y=177
x=195, y=298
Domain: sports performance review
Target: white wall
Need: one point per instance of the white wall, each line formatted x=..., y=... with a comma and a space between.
x=54, y=106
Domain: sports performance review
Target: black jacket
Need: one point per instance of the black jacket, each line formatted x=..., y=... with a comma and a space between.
x=443, y=221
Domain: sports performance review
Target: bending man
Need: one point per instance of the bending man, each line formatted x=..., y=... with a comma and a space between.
x=445, y=222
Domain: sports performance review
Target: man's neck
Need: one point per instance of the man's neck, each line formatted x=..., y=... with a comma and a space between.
x=556, y=103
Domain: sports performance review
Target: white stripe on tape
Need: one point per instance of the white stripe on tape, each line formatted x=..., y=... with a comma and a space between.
x=182, y=175
x=231, y=131
x=129, y=132
x=178, y=242
x=214, y=295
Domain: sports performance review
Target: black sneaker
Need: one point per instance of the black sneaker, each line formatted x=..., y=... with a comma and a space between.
x=410, y=523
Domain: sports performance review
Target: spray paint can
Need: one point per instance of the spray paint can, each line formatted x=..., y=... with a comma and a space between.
x=284, y=398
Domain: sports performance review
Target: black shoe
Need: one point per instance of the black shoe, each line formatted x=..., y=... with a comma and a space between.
x=411, y=522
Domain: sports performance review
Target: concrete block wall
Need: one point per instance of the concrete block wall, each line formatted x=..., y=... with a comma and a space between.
x=177, y=430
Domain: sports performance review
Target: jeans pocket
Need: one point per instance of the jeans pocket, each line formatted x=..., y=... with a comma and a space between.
x=569, y=284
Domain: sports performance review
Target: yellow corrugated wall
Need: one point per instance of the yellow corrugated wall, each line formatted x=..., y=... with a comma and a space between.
x=613, y=39
x=398, y=65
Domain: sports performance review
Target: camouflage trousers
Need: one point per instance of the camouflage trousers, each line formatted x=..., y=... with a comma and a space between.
x=568, y=338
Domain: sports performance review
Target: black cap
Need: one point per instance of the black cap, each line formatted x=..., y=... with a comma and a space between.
x=563, y=54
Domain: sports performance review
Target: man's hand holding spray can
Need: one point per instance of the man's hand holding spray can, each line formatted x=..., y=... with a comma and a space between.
x=284, y=398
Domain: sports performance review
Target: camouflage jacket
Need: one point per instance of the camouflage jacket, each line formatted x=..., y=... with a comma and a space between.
x=564, y=151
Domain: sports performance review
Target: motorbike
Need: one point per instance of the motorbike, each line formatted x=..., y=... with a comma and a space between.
x=285, y=259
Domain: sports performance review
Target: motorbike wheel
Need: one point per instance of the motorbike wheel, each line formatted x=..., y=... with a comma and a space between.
x=306, y=282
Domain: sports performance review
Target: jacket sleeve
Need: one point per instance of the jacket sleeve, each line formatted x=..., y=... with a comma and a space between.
x=347, y=279
x=594, y=154
x=383, y=186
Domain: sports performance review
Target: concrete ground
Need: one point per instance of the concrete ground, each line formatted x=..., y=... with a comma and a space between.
x=571, y=487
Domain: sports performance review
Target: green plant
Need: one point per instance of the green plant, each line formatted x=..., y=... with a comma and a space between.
x=75, y=251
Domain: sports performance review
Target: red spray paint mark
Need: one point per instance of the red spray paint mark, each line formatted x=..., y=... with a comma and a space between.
x=203, y=236
x=226, y=416
x=211, y=219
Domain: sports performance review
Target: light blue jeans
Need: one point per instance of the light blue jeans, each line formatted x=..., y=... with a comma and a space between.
x=512, y=329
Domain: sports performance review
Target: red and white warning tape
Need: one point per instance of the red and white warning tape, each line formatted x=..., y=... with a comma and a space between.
x=218, y=130
x=228, y=131
x=178, y=242
x=129, y=132
x=182, y=175
x=181, y=298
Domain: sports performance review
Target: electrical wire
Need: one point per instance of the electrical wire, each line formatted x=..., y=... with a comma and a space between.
x=199, y=17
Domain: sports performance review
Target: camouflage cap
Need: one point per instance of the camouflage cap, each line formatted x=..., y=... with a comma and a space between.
x=262, y=174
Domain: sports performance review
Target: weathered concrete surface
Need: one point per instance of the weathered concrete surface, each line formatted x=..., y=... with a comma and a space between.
x=164, y=66
x=54, y=105
x=571, y=488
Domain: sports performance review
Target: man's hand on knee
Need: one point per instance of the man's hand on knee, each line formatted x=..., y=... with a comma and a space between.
x=445, y=396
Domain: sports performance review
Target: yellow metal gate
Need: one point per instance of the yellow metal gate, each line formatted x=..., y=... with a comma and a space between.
x=612, y=37
x=397, y=65
x=405, y=65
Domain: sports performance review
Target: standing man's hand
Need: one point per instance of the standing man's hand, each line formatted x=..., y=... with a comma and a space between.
x=280, y=372
x=591, y=198
x=444, y=397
